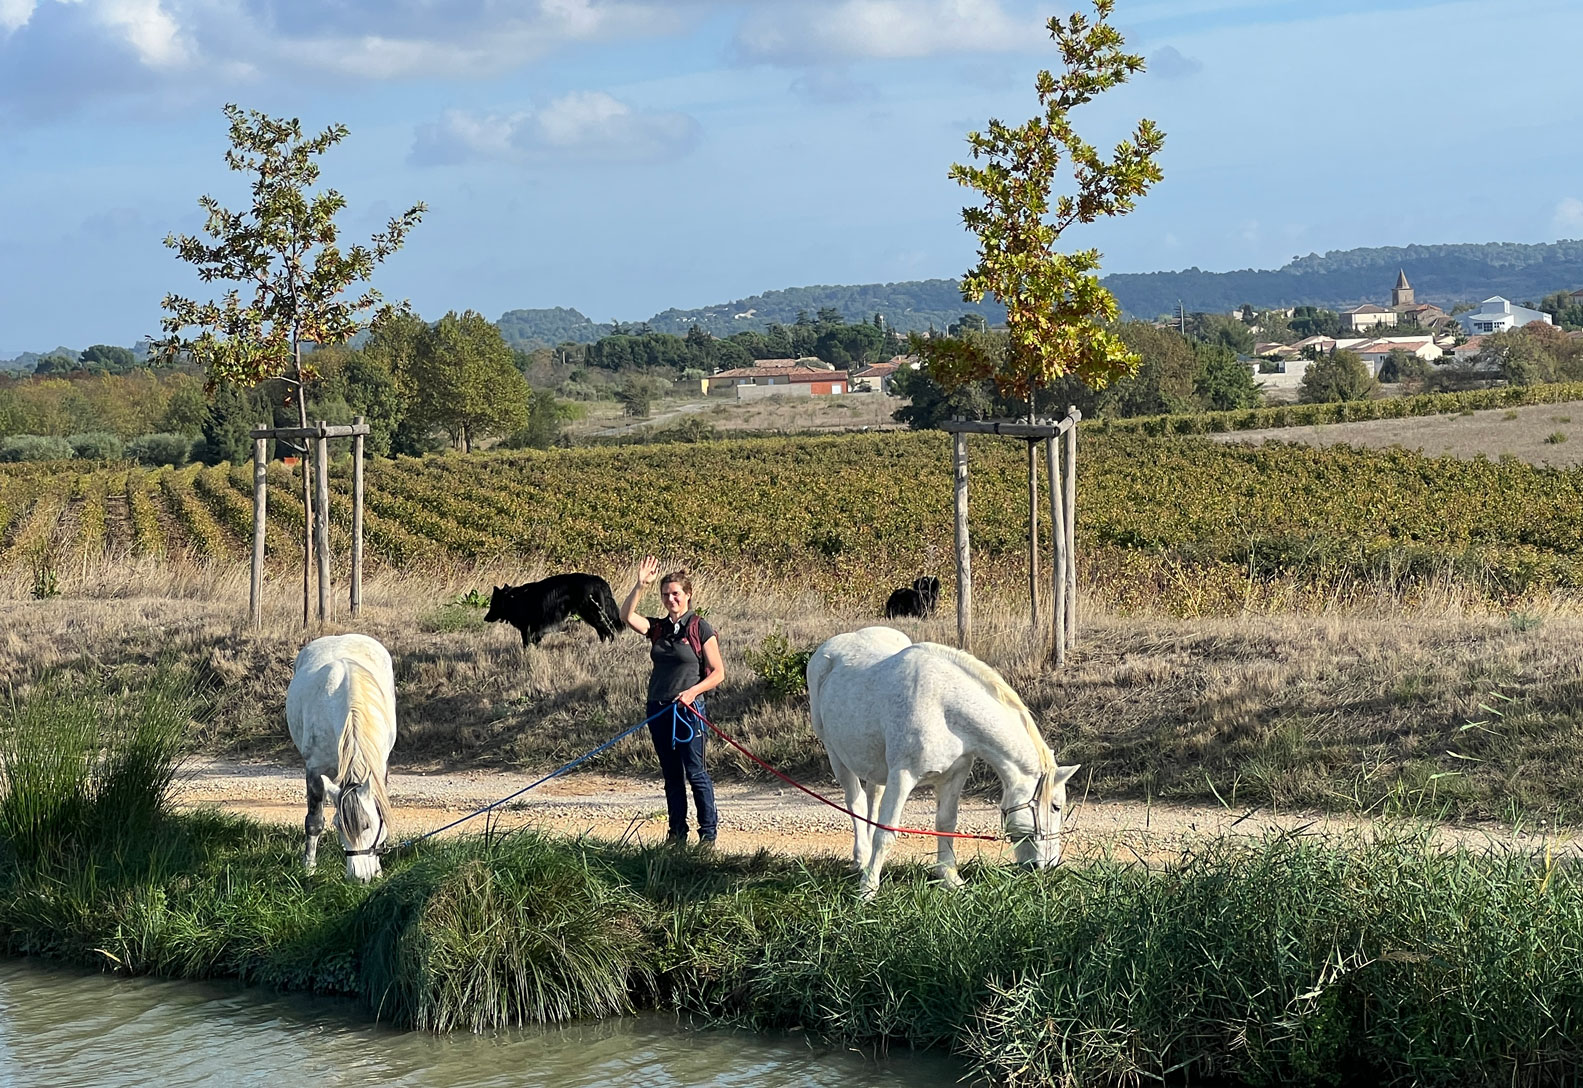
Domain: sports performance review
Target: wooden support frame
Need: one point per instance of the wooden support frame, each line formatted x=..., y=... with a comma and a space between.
x=1062, y=481
x=316, y=530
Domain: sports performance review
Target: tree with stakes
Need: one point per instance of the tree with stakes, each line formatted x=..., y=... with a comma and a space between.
x=1058, y=317
x=284, y=252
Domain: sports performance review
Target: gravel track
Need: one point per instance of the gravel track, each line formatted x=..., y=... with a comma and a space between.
x=771, y=816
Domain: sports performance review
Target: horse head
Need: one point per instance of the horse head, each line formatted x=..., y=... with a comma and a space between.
x=360, y=821
x=1034, y=823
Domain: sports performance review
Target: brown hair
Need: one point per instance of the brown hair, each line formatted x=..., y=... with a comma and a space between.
x=680, y=577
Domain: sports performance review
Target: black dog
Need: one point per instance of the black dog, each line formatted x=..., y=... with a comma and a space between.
x=917, y=599
x=536, y=607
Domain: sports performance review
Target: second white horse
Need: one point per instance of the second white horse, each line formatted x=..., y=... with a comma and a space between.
x=894, y=715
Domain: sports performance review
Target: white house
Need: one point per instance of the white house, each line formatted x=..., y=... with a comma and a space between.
x=1367, y=316
x=1375, y=352
x=1497, y=315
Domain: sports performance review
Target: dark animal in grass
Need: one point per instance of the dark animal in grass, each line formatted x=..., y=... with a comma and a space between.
x=536, y=607
x=917, y=599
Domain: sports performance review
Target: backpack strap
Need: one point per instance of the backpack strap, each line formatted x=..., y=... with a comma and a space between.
x=692, y=635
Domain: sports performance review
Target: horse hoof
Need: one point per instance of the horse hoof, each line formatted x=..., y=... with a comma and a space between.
x=950, y=878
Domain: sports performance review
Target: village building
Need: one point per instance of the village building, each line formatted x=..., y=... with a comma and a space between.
x=877, y=376
x=1498, y=315
x=778, y=377
x=1367, y=316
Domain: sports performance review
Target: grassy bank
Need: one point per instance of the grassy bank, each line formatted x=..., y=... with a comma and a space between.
x=1292, y=961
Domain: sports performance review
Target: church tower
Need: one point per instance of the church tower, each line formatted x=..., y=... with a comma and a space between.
x=1402, y=293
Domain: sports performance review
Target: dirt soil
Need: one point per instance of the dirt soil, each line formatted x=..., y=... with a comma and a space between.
x=779, y=818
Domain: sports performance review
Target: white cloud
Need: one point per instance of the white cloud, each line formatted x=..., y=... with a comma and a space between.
x=207, y=47
x=14, y=14
x=824, y=30
x=148, y=28
x=1569, y=214
x=583, y=126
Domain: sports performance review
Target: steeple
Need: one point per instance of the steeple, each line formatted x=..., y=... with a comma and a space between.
x=1402, y=293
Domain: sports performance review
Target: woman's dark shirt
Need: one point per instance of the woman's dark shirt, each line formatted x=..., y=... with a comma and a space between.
x=676, y=666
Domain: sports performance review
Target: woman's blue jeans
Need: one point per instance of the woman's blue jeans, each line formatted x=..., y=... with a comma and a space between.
x=682, y=764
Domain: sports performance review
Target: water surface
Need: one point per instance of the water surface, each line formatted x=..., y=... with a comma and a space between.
x=59, y=1027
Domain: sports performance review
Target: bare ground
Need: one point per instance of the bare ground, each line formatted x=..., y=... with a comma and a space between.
x=1542, y=434
x=783, y=820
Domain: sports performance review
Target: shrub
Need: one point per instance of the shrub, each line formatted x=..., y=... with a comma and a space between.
x=35, y=447
x=783, y=669
x=1555, y=438
x=97, y=446
x=160, y=449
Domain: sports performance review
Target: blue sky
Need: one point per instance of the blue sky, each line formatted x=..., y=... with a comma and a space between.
x=624, y=156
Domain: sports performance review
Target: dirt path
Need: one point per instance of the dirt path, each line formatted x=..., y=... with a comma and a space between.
x=774, y=817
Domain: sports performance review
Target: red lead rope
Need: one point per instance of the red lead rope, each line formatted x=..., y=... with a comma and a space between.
x=789, y=780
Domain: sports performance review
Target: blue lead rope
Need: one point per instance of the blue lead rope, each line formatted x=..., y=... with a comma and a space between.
x=678, y=719
x=585, y=757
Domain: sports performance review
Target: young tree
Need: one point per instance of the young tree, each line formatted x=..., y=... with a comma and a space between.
x=284, y=252
x=463, y=380
x=638, y=393
x=1057, y=314
x=1223, y=383
x=1341, y=375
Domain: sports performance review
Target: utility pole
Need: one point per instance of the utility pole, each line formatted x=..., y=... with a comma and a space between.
x=1181, y=319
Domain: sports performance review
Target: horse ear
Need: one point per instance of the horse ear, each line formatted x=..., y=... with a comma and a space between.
x=1064, y=773
x=332, y=792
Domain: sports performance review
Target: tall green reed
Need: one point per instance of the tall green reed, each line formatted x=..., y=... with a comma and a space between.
x=87, y=769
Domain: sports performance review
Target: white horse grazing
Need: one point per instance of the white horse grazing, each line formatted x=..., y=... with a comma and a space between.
x=341, y=709
x=894, y=714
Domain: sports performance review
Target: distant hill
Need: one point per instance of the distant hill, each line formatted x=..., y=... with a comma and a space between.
x=1444, y=274
x=29, y=360
x=911, y=306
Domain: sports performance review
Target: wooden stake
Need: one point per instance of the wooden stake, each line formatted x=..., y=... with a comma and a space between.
x=321, y=466
x=357, y=520
x=1071, y=527
x=1033, y=537
x=1052, y=472
x=255, y=595
x=964, y=562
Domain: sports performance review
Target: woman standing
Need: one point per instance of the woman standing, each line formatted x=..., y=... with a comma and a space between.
x=687, y=663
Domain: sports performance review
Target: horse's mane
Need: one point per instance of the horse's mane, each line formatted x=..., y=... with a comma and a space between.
x=365, y=704
x=1003, y=692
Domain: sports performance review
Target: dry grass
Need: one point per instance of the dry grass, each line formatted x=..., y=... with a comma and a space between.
x=1338, y=709
x=1518, y=432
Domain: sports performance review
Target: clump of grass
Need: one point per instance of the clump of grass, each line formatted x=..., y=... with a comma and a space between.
x=88, y=769
x=514, y=932
x=1508, y=415
x=1555, y=438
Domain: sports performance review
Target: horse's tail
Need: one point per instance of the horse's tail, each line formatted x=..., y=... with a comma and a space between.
x=819, y=666
x=1004, y=693
x=356, y=746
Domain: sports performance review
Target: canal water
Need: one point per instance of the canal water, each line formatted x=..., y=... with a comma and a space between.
x=59, y=1027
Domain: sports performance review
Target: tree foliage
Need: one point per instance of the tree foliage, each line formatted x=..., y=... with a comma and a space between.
x=284, y=252
x=462, y=379
x=1222, y=381
x=1341, y=375
x=1056, y=311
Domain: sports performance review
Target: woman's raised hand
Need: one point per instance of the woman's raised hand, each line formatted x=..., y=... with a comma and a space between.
x=648, y=570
